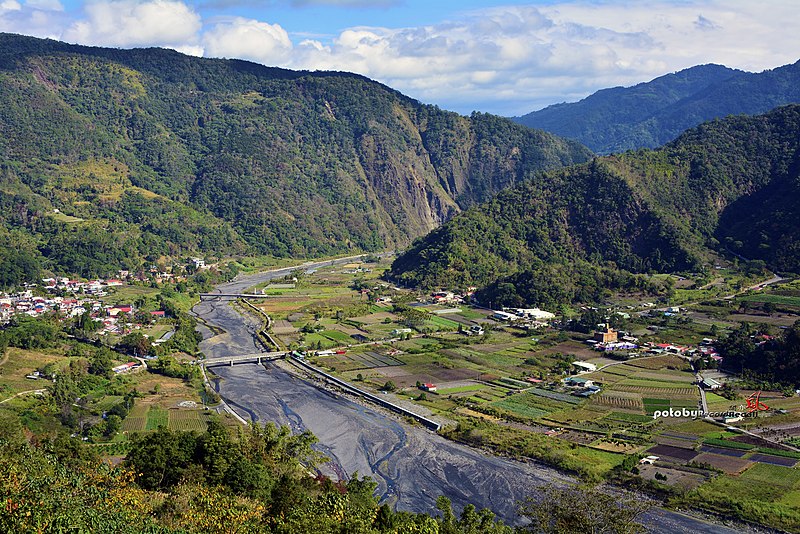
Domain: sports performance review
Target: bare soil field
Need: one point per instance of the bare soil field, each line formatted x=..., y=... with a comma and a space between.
x=729, y=464
x=777, y=320
x=675, y=477
x=682, y=455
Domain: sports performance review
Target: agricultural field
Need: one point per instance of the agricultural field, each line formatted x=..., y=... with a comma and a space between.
x=16, y=364
x=505, y=389
x=148, y=417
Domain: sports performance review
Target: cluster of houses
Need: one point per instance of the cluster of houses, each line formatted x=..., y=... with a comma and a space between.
x=83, y=297
x=530, y=317
x=26, y=303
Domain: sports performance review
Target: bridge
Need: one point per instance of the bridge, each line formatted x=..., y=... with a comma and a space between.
x=234, y=295
x=257, y=357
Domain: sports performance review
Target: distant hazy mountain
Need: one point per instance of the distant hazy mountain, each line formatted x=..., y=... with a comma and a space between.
x=650, y=114
x=112, y=158
x=571, y=234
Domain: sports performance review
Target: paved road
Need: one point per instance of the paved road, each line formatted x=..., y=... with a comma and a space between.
x=412, y=466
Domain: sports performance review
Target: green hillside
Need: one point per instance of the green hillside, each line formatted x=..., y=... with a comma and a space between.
x=650, y=114
x=162, y=154
x=567, y=234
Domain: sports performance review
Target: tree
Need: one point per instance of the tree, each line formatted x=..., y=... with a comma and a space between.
x=388, y=386
x=582, y=510
x=135, y=343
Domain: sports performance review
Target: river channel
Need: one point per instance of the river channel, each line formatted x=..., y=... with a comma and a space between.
x=411, y=465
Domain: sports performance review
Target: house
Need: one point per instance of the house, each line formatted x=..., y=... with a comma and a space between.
x=710, y=383
x=428, y=387
x=504, y=316
x=650, y=460
x=401, y=331
x=584, y=367
x=534, y=313
x=578, y=382
x=158, y=313
x=474, y=330
x=126, y=367
x=607, y=336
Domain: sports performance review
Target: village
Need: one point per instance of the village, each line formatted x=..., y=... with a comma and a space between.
x=67, y=298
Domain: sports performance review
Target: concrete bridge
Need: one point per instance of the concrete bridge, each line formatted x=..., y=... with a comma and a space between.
x=257, y=357
x=234, y=295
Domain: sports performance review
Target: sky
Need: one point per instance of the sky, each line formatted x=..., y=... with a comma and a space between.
x=505, y=57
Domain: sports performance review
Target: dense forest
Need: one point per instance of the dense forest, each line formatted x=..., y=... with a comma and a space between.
x=569, y=235
x=110, y=158
x=651, y=114
x=759, y=357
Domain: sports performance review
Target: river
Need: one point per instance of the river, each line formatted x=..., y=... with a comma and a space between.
x=411, y=465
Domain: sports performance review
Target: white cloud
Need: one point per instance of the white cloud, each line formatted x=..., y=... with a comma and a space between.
x=248, y=39
x=508, y=60
x=46, y=5
x=10, y=5
x=131, y=23
x=516, y=59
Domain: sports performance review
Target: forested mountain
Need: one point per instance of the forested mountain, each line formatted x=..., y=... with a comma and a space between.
x=568, y=234
x=151, y=153
x=650, y=114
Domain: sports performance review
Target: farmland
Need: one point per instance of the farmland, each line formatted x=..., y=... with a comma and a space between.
x=504, y=390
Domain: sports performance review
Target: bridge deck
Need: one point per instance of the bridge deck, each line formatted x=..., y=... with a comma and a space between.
x=230, y=360
x=235, y=295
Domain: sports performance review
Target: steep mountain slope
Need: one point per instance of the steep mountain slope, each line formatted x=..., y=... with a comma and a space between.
x=650, y=114
x=732, y=182
x=276, y=161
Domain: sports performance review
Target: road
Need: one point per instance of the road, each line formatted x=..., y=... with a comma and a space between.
x=412, y=466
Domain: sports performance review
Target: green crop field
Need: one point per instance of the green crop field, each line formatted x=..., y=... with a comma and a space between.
x=156, y=417
x=443, y=323
x=628, y=417
x=656, y=384
x=525, y=405
x=774, y=299
x=461, y=389
x=773, y=474
x=337, y=336
x=136, y=421
x=187, y=420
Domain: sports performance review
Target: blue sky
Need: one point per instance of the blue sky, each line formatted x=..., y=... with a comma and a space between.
x=507, y=57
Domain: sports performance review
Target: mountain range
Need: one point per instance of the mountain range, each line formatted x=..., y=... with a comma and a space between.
x=569, y=235
x=651, y=114
x=114, y=158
